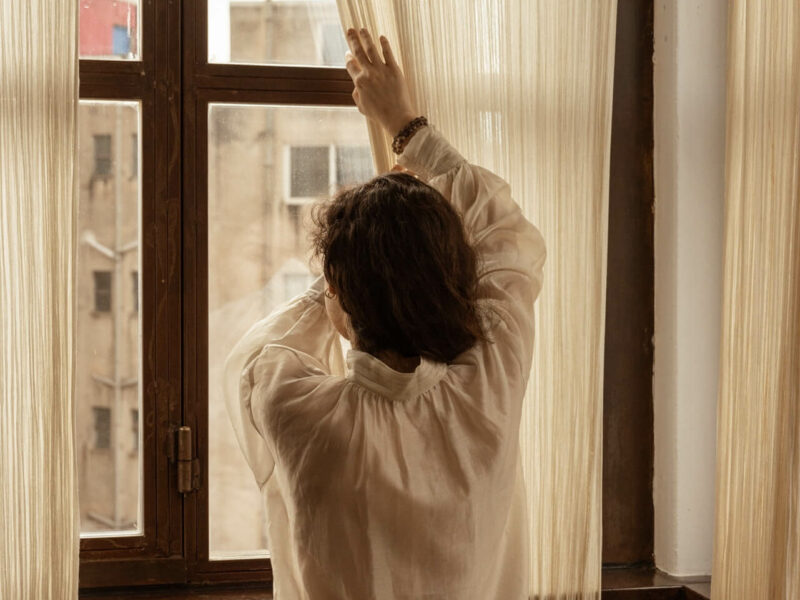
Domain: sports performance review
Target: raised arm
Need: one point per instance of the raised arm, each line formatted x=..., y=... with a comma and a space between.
x=511, y=250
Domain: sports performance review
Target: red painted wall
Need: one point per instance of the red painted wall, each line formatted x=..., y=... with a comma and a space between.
x=98, y=18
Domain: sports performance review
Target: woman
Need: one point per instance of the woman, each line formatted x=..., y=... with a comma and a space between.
x=398, y=476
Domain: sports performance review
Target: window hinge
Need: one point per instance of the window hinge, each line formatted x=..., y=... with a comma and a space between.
x=188, y=465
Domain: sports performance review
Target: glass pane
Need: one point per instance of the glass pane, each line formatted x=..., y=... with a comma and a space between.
x=109, y=29
x=266, y=165
x=108, y=324
x=353, y=164
x=282, y=32
x=310, y=171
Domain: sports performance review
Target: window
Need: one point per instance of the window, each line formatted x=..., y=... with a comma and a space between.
x=134, y=430
x=334, y=46
x=310, y=172
x=102, y=154
x=108, y=349
x=317, y=171
x=102, y=427
x=259, y=154
x=135, y=290
x=134, y=155
x=120, y=41
x=353, y=164
x=213, y=96
x=109, y=29
x=120, y=489
x=207, y=180
x=275, y=32
x=102, y=291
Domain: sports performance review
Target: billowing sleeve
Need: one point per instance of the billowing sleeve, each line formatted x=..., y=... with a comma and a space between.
x=301, y=341
x=510, y=249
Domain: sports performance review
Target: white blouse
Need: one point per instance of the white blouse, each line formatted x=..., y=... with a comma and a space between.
x=386, y=485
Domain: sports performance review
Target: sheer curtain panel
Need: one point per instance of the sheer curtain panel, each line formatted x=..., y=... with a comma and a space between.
x=524, y=88
x=757, y=540
x=38, y=107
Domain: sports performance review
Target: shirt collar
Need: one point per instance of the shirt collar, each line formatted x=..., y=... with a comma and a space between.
x=372, y=373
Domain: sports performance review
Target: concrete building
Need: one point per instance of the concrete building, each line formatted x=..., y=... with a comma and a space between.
x=108, y=332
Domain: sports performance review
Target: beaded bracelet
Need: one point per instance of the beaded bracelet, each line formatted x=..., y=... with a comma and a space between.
x=399, y=141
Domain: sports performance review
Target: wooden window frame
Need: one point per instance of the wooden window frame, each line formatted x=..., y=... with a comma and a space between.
x=175, y=84
x=157, y=556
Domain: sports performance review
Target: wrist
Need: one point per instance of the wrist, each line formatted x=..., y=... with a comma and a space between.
x=401, y=139
x=395, y=125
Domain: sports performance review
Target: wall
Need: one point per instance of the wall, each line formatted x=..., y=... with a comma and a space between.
x=689, y=119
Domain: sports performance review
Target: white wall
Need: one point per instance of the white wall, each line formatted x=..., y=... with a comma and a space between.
x=689, y=85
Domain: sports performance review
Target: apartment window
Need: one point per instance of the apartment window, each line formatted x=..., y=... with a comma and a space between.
x=134, y=430
x=102, y=427
x=309, y=172
x=134, y=155
x=102, y=291
x=135, y=290
x=120, y=41
x=102, y=154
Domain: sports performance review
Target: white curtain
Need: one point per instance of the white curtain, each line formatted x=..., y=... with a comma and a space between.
x=39, y=534
x=757, y=540
x=524, y=88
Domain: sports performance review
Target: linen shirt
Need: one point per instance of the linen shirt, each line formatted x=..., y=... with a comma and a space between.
x=386, y=485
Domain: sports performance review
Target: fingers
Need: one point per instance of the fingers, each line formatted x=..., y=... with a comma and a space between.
x=388, y=55
x=351, y=64
x=369, y=47
x=355, y=47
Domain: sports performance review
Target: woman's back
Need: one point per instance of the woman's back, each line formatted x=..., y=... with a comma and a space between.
x=381, y=484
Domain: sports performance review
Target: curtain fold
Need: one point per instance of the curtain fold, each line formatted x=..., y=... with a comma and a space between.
x=39, y=531
x=757, y=538
x=524, y=88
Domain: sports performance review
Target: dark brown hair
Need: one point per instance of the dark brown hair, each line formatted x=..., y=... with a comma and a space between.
x=397, y=254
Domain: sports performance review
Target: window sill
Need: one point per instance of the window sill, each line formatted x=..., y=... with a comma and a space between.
x=618, y=584
x=650, y=584
x=240, y=592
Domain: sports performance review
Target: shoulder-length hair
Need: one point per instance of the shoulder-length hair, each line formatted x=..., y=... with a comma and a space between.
x=397, y=254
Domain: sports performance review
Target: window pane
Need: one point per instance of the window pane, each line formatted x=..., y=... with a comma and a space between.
x=108, y=327
x=109, y=29
x=258, y=252
x=283, y=32
x=353, y=164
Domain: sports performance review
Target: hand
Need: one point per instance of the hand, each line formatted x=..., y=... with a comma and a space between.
x=381, y=90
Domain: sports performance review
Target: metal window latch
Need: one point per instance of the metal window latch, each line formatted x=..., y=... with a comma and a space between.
x=188, y=466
